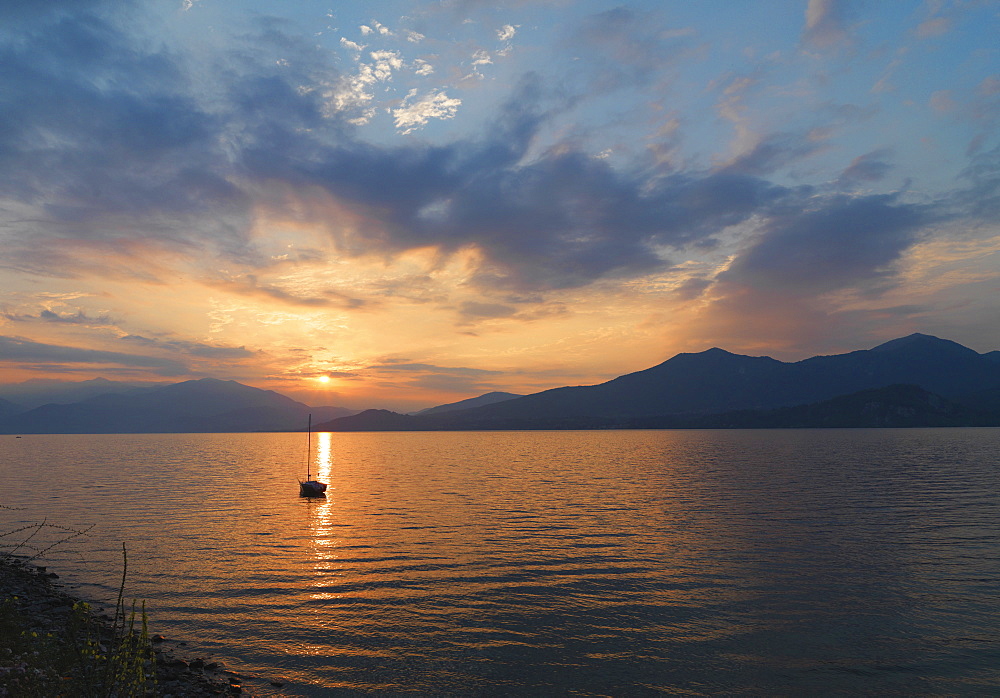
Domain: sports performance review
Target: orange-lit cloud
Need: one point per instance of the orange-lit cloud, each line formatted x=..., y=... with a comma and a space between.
x=513, y=198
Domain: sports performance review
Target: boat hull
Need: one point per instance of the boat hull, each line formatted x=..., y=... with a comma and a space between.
x=312, y=488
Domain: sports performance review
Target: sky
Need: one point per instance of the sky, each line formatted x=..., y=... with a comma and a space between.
x=400, y=204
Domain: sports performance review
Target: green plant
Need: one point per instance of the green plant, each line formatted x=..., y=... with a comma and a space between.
x=90, y=659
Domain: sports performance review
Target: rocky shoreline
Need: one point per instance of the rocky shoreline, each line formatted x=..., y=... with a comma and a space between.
x=44, y=607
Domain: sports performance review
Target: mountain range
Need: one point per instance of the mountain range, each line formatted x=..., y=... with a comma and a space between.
x=709, y=388
x=486, y=399
x=205, y=405
x=917, y=380
x=43, y=391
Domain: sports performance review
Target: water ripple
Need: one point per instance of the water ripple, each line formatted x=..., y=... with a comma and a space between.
x=589, y=563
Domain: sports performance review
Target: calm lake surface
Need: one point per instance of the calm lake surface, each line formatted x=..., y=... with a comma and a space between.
x=590, y=563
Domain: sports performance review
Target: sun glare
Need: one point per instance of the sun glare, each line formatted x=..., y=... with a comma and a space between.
x=323, y=379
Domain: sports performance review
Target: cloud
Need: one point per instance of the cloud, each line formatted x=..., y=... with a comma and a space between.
x=782, y=290
x=844, y=242
x=825, y=24
x=870, y=167
x=16, y=350
x=472, y=310
x=692, y=288
x=941, y=101
x=773, y=152
x=31, y=11
x=198, y=349
x=447, y=379
x=625, y=48
x=250, y=285
x=981, y=195
x=884, y=83
x=77, y=318
x=421, y=368
x=115, y=140
x=352, y=94
x=352, y=45
x=936, y=26
x=481, y=58
x=154, y=162
x=434, y=105
x=98, y=160
x=506, y=32
x=563, y=219
x=990, y=86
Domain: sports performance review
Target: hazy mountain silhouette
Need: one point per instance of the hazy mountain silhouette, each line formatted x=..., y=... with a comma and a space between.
x=206, y=405
x=8, y=408
x=374, y=420
x=933, y=382
x=987, y=400
x=485, y=399
x=715, y=381
x=37, y=392
x=891, y=406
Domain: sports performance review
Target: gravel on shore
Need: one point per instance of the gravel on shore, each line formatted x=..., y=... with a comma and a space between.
x=45, y=606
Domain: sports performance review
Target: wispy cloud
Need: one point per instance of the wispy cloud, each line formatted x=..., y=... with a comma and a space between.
x=826, y=24
x=19, y=350
x=250, y=285
x=69, y=318
x=199, y=349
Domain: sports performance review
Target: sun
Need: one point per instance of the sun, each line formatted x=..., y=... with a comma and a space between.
x=323, y=379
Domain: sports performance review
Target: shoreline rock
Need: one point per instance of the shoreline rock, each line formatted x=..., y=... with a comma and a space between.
x=47, y=607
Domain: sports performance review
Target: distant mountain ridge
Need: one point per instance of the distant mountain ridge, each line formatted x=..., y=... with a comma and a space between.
x=715, y=381
x=891, y=406
x=205, y=405
x=8, y=408
x=38, y=392
x=917, y=380
x=485, y=399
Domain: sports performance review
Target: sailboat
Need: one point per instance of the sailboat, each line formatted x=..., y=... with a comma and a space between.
x=310, y=487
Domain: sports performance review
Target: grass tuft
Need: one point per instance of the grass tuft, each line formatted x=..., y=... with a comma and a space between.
x=87, y=657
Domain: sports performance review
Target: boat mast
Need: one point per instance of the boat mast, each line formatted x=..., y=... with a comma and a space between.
x=309, y=437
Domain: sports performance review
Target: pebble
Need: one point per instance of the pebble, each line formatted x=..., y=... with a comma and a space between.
x=47, y=607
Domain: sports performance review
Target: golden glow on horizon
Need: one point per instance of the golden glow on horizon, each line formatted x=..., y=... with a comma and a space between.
x=419, y=334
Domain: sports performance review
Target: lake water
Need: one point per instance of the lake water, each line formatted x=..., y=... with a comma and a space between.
x=546, y=563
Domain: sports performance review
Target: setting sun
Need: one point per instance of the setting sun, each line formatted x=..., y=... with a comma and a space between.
x=323, y=379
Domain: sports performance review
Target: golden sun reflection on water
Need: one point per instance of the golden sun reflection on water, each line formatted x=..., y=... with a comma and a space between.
x=324, y=456
x=323, y=541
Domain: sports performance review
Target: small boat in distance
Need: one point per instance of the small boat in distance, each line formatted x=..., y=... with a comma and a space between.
x=310, y=487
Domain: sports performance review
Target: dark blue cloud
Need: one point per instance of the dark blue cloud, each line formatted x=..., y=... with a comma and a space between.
x=981, y=195
x=103, y=136
x=773, y=153
x=870, y=167
x=16, y=351
x=841, y=242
